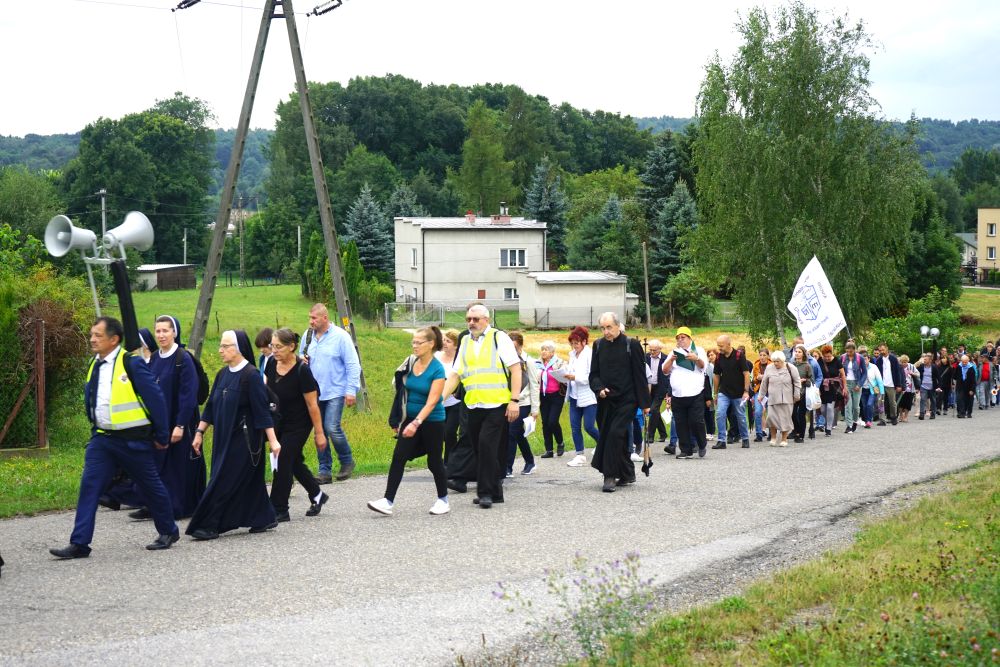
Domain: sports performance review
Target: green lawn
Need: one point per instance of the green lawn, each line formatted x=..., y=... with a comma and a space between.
x=984, y=305
x=922, y=588
x=31, y=486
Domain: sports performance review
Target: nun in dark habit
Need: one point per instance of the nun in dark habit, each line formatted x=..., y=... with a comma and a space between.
x=239, y=412
x=618, y=379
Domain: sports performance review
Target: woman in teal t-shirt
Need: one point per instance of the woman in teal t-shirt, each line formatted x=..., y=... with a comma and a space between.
x=422, y=429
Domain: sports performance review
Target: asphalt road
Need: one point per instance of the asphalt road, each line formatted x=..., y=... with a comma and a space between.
x=355, y=588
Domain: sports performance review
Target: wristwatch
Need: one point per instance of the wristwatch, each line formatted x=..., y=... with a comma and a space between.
x=200, y=430
x=515, y=400
x=418, y=421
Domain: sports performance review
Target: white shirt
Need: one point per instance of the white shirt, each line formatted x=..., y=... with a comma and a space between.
x=651, y=372
x=886, y=371
x=102, y=409
x=450, y=400
x=579, y=366
x=685, y=383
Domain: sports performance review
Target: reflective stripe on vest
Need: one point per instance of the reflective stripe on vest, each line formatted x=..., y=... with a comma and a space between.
x=127, y=410
x=483, y=377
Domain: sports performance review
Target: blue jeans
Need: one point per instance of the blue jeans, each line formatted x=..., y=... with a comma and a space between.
x=587, y=415
x=723, y=406
x=331, y=412
x=758, y=416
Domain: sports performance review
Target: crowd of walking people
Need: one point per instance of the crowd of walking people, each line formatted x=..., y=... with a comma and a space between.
x=466, y=402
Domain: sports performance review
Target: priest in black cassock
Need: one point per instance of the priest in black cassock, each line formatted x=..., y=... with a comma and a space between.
x=618, y=379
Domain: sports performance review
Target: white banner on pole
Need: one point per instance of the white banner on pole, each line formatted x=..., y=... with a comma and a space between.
x=815, y=306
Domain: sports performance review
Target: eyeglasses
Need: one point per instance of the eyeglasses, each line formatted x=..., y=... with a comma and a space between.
x=474, y=319
x=418, y=342
x=272, y=346
x=223, y=346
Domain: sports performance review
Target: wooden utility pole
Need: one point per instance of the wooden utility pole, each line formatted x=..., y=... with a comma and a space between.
x=319, y=181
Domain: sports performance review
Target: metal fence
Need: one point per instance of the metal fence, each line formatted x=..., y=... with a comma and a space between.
x=412, y=314
x=22, y=402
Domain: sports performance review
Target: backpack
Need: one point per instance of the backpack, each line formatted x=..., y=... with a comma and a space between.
x=199, y=371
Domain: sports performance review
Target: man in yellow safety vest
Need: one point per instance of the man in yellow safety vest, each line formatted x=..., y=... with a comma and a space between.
x=489, y=368
x=129, y=418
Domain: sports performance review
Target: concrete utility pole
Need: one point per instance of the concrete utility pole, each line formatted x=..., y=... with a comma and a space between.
x=200, y=324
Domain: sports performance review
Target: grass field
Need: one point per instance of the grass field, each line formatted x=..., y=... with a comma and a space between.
x=922, y=588
x=30, y=486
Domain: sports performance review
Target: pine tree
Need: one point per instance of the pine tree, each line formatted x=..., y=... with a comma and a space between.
x=677, y=215
x=546, y=202
x=403, y=204
x=366, y=226
x=585, y=245
x=660, y=172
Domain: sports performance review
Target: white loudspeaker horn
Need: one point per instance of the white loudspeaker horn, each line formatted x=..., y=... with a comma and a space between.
x=61, y=237
x=135, y=232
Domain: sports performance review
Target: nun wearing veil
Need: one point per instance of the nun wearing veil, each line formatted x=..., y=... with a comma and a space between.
x=181, y=470
x=239, y=412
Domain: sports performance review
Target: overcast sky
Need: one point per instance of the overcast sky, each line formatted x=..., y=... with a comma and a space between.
x=68, y=62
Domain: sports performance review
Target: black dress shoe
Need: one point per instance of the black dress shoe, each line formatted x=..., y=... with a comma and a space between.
x=485, y=502
x=625, y=481
x=324, y=478
x=609, y=485
x=263, y=529
x=758, y=438
x=669, y=449
x=282, y=517
x=204, y=534
x=109, y=502
x=547, y=455
x=72, y=551
x=314, y=508
x=560, y=450
x=495, y=501
x=719, y=445
x=745, y=445
x=141, y=514
x=163, y=542
x=458, y=487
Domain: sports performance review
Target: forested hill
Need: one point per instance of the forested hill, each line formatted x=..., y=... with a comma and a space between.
x=44, y=152
x=941, y=142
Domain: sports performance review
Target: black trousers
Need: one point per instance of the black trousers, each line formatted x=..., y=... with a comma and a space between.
x=656, y=429
x=799, y=417
x=292, y=463
x=452, y=419
x=689, y=418
x=427, y=440
x=488, y=433
x=964, y=401
x=551, y=410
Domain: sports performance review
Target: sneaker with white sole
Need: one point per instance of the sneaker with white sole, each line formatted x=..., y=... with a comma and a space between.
x=636, y=458
x=710, y=436
x=440, y=506
x=382, y=506
x=528, y=469
x=577, y=461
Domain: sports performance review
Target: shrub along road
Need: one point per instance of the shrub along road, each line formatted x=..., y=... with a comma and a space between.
x=353, y=587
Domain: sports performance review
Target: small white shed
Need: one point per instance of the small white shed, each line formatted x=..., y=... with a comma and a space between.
x=562, y=299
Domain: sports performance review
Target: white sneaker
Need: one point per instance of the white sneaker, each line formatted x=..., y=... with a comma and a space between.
x=636, y=458
x=577, y=461
x=382, y=506
x=710, y=436
x=440, y=507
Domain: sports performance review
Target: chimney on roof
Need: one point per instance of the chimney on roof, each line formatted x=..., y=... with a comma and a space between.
x=470, y=217
x=502, y=218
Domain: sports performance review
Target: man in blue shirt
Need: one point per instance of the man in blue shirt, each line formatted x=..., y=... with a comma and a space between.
x=334, y=363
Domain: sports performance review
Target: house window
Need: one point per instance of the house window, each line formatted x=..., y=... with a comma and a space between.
x=991, y=252
x=510, y=294
x=512, y=258
x=414, y=293
x=991, y=229
x=481, y=294
x=413, y=257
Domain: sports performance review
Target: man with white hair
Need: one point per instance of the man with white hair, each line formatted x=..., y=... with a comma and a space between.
x=618, y=379
x=489, y=368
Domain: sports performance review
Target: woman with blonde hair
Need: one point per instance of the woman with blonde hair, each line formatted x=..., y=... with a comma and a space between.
x=552, y=395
